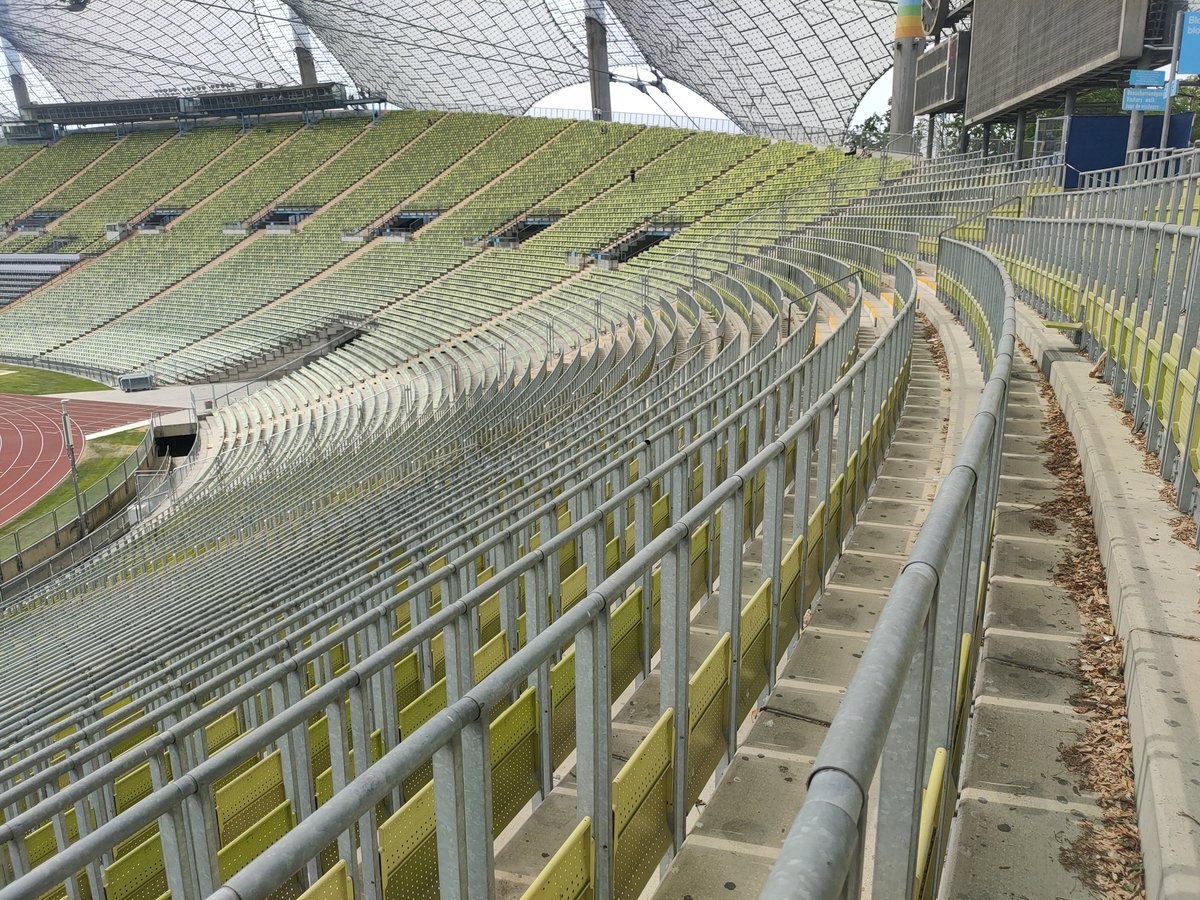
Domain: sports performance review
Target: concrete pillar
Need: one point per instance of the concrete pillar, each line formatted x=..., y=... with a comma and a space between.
x=1172, y=72
x=308, y=68
x=987, y=138
x=597, y=46
x=1068, y=115
x=303, y=48
x=1019, y=137
x=16, y=74
x=20, y=90
x=910, y=40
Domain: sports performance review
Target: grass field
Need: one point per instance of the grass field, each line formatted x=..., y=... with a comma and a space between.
x=18, y=380
x=100, y=456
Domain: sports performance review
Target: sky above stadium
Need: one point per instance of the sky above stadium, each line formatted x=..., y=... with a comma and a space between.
x=682, y=103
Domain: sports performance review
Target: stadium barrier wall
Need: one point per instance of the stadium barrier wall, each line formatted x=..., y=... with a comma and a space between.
x=92, y=373
x=34, y=543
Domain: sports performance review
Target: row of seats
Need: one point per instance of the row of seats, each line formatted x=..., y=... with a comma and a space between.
x=384, y=275
x=47, y=171
x=249, y=785
x=532, y=269
x=128, y=194
x=259, y=168
x=392, y=479
x=126, y=153
x=237, y=475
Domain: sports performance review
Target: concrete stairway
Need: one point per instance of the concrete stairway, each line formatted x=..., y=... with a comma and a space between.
x=735, y=836
x=1019, y=805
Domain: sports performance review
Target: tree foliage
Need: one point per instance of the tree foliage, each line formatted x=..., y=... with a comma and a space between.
x=873, y=134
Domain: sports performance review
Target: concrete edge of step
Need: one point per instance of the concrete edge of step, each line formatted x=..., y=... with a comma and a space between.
x=1152, y=589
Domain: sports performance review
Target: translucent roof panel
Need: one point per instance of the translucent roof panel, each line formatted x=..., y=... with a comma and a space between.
x=122, y=49
x=622, y=51
x=784, y=68
x=483, y=55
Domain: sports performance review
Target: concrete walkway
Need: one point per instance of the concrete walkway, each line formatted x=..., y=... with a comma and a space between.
x=1020, y=806
x=735, y=839
x=1152, y=587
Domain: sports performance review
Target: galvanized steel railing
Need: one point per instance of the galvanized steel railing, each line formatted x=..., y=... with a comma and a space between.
x=1173, y=199
x=78, y=791
x=1151, y=165
x=325, y=645
x=1131, y=291
x=458, y=740
x=619, y=419
x=901, y=714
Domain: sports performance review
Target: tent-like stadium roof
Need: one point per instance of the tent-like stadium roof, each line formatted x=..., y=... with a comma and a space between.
x=785, y=68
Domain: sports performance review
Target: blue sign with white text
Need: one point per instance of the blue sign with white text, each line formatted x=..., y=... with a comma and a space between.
x=1144, y=100
x=1189, y=50
x=1147, y=78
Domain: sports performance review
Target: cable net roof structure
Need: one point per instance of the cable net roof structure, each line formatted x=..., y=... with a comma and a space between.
x=135, y=48
x=784, y=68
x=480, y=55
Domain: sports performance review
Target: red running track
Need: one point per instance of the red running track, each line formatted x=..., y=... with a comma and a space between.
x=33, y=454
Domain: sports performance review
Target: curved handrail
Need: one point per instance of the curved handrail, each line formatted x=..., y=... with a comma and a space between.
x=128, y=823
x=887, y=702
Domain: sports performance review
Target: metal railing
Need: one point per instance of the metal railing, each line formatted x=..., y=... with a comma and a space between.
x=128, y=823
x=92, y=373
x=457, y=741
x=406, y=571
x=36, y=541
x=1143, y=165
x=663, y=120
x=1133, y=289
x=255, y=462
x=321, y=645
x=1173, y=198
x=901, y=707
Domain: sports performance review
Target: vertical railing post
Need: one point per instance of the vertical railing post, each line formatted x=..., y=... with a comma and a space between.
x=901, y=770
x=772, y=552
x=593, y=743
x=729, y=602
x=371, y=879
x=676, y=566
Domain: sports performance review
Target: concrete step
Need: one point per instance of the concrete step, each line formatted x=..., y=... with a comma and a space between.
x=1010, y=851
x=735, y=839
x=1019, y=804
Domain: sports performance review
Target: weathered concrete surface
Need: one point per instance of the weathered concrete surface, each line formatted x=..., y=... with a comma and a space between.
x=1018, y=804
x=1153, y=591
x=733, y=843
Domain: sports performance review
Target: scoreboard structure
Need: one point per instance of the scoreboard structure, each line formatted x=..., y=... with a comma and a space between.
x=942, y=75
x=1023, y=50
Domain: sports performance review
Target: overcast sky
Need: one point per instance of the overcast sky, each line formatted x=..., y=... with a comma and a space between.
x=680, y=99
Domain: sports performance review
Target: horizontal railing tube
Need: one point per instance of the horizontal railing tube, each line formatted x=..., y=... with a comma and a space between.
x=823, y=846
